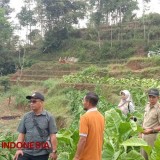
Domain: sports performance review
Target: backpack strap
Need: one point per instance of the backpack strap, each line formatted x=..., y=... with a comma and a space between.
x=40, y=131
x=42, y=134
x=129, y=107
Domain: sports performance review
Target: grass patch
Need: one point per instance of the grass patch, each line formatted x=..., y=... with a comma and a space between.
x=118, y=67
x=57, y=105
x=52, y=65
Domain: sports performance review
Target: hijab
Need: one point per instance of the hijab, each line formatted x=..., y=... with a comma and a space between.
x=123, y=105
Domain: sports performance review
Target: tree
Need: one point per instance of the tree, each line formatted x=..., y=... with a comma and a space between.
x=5, y=28
x=6, y=61
x=5, y=5
x=96, y=18
x=57, y=18
x=27, y=17
x=34, y=36
x=113, y=9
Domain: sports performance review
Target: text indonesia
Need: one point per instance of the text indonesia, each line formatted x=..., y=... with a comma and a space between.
x=25, y=145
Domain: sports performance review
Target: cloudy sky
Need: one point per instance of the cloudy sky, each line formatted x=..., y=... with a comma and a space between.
x=154, y=6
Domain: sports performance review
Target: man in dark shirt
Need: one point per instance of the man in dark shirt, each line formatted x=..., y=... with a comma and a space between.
x=37, y=126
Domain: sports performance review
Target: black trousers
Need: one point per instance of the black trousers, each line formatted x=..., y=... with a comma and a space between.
x=29, y=157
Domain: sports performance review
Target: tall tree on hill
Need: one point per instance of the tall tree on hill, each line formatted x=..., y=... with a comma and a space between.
x=96, y=17
x=145, y=8
x=6, y=61
x=113, y=9
x=5, y=28
x=5, y=5
x=40, y=16
x=27, y=16
x=57, y=17
x=109, y=12
x=36, y=38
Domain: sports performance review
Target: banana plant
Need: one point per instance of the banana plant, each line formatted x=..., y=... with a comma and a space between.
x=67, y=140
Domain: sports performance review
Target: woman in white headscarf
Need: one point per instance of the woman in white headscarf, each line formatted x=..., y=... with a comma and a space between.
x=126, y=104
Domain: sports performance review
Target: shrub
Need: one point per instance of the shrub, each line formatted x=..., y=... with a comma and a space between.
x=4, y=81
x=50, y=83
x=20, y=94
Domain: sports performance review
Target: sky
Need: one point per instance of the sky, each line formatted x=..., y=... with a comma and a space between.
x=154, y=6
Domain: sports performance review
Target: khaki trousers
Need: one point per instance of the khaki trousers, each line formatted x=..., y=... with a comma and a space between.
x=150, y=139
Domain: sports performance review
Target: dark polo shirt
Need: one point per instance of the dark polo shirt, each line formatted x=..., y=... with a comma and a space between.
x=45, y=121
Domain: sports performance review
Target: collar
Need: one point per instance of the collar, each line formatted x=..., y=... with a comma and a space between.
x=92, y=109
x=155, y=106
x=42, y=113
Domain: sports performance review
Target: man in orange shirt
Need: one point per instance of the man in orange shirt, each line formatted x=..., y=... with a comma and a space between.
x=91, y=130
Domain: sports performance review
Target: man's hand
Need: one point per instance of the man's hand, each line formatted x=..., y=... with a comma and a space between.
x=147, y=131
x=18, y=152
x=80, y=147
x=53, y=156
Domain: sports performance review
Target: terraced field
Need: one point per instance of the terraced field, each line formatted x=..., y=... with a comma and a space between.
x=139, y=67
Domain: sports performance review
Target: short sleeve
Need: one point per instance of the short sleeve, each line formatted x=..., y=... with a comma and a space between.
x=83, y=129
x=21, y=127
x=52, y=125
x=159, y=115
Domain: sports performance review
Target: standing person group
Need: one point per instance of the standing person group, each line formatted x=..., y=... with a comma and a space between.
x=39, y=125
x=151, y=121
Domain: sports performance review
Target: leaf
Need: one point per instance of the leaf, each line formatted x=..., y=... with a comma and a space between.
x=124, y=128
x=139, y=129
x=66, y=139
x=113, y=121
x=132, y=155
x=134, y=142
x=155, y=154
x=63, y=156
x=109, y=152
x=147, y=149
x=2, y=158
x=133, y=125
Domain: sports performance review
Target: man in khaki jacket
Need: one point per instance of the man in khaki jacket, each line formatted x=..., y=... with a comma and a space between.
x=151, y=122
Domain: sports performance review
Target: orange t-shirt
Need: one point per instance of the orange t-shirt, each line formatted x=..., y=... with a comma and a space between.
x=92, y=126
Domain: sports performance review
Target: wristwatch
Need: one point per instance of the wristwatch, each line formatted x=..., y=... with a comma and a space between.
x=54, y=151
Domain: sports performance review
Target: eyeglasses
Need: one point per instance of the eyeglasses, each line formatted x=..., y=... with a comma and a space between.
x=152, y=96
x=33, y=101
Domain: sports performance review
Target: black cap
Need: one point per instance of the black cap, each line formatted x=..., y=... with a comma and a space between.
x=153, y=92
x=36, y=95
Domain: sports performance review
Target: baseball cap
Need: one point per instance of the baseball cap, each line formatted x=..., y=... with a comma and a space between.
x=36, y=95
x=153, y=92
